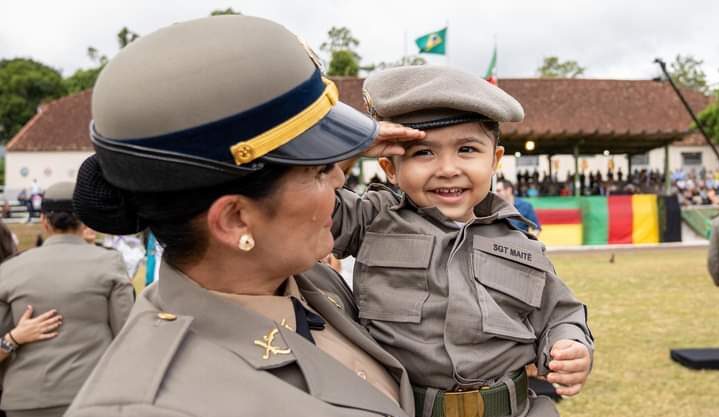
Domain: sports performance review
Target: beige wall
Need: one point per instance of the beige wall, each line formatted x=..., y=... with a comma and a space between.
x=47, y=167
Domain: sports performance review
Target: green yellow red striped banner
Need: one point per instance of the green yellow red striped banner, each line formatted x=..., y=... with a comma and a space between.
x=598, y=220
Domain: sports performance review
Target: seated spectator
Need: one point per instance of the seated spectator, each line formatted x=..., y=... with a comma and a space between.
x=505, y=189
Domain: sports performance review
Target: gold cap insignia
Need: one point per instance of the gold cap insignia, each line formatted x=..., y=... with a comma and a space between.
x=370, y=105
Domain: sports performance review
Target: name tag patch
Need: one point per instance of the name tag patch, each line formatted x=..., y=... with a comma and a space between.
x=516, y=252
x=519, y=254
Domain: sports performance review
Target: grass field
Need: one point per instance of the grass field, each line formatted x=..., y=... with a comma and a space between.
x=640, y=306
x=26, y=234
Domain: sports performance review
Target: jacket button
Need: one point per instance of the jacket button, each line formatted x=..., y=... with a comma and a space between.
x=166, y=316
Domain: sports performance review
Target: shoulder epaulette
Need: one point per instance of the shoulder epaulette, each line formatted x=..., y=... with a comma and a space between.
x=140, y=353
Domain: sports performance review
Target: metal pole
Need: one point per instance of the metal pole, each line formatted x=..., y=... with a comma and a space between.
x=629, y=165
x=576, y=170
x=667, y=174
x=686, y=105
x=549, y=159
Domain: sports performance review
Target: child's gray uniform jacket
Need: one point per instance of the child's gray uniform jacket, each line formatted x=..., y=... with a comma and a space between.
x=457, y=304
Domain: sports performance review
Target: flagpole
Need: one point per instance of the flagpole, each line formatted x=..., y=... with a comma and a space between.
x=404, y=54
x=496, y=68
x=446, y=41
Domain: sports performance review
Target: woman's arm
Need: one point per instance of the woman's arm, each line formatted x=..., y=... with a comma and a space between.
x=29, y=330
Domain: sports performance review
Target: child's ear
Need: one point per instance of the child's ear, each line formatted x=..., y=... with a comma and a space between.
x=389, y=169
x=498, y=154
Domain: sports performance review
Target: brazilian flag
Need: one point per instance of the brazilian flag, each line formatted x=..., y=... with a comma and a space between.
x=433, y=43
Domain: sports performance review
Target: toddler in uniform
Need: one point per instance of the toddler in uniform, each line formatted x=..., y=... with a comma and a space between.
x=442, y=278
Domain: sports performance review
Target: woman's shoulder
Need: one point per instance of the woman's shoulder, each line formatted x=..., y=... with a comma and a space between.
x=132, y=368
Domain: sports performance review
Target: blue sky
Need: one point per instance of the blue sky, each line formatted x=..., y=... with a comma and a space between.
x=613, y=39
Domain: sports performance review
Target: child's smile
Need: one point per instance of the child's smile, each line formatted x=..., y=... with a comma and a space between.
x=450, y=169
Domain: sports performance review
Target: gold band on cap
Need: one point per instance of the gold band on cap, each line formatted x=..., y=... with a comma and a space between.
x=251, y=149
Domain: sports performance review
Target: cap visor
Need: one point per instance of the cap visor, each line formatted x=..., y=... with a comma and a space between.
x=342, y=134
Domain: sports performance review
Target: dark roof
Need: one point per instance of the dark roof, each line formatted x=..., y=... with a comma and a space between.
x=60, y=125
x=619, y=115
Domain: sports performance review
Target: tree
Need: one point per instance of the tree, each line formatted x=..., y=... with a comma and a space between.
x=227, y=11
x=709, y=118
x=343, y=63
x=81, y=80
x=344, y=60
x=552, y=67
x=686, y=71
x=125, y=36
x=340, y=39
x=24, y=85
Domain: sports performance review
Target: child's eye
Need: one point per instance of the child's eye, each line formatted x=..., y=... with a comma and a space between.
x=466, y=149
x=422, y=152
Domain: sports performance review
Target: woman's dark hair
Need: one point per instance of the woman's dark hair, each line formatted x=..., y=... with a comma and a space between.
x=7, y=243
x=63, y=221
x=173, y=217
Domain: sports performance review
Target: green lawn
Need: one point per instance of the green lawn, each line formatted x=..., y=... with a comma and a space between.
x=26, y=234
x=640, y=306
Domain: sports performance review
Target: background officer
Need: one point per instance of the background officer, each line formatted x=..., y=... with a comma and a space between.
x=86, y=285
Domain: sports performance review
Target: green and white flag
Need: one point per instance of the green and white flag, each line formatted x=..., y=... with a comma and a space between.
x=491, y=74
x=433, y=43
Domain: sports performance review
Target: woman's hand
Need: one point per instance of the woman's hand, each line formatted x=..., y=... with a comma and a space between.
x=569, y=366
x=30, y=329
x=388, y=141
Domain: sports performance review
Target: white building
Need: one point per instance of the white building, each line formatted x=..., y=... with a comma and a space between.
x=51, y=146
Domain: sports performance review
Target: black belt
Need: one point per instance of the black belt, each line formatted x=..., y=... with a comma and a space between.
x=483, y=402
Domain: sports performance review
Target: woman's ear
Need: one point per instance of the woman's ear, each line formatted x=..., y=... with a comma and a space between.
x=229, y=218
x=389, y=169
x=45, y=223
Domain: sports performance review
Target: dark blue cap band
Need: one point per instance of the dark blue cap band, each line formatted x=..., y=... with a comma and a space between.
x=213, y=140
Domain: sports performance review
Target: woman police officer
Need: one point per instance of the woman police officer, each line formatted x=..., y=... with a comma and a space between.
x=220, y=135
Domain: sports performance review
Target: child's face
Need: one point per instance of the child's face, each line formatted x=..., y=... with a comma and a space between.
x=450, y=169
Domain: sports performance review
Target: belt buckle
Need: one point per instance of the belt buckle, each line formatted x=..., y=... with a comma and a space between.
x=463, y=404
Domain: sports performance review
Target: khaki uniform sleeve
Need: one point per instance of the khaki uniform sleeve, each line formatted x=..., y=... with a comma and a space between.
x=713, y=258
x=121, y=295
x=352, y=216
x=561, y=316
x=6, y=320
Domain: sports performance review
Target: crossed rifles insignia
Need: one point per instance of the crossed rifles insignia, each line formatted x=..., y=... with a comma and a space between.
x=266, y=344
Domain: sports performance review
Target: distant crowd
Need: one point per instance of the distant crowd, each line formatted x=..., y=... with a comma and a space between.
x=692, y=186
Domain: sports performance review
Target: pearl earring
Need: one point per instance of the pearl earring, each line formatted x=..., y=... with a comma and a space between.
x=247, y=242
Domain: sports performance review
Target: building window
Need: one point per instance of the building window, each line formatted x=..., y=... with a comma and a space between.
x=528, y=161
x=691, y=159
x=640, y=159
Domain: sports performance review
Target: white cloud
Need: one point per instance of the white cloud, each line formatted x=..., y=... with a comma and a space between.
x=612, y=38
